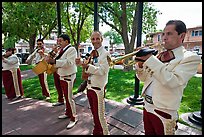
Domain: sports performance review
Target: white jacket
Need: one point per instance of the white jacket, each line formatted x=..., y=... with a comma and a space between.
x=169, y=79
x=99, y=71
x=66, y=63
x=10, y=63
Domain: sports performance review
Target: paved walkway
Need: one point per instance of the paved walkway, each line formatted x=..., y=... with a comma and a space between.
x=37, y=117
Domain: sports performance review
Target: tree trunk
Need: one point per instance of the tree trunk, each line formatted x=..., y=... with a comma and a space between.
x=32, y=42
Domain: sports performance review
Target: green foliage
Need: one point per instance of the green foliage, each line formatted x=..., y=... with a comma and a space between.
x=9, y=43
x=78, y=21
x=121, y=85
x=22, y=20
x=114, y=37
x=111, y=13
x=191, y=100
x=26, y=67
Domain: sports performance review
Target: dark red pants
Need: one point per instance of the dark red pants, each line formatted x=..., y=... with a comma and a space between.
x=96, y=101
x=44, y=85
x=58, y=87
x=70, y=103
x=152, y=124
x=7, y=78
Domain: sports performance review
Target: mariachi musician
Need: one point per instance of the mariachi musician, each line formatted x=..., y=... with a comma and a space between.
x=56, y=76
x=66, y=71
x=39, y=53
x=11, y=75
x=97, y=70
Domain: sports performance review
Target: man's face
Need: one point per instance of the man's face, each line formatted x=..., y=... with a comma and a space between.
x=8, y=53
x=171, y=38
x=63, y=43
x=39, y=44
x=96, y=40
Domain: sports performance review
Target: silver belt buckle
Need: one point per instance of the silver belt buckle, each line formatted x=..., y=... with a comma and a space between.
x=148, y=99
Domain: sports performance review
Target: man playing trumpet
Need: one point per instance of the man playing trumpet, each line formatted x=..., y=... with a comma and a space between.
x=165, y=78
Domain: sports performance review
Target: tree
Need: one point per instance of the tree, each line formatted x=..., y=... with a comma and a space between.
x=122, y=17
x=114, y=37
x=25, y=20
x=77, y=20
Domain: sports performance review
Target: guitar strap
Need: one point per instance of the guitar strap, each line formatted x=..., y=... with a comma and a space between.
x=62, y=53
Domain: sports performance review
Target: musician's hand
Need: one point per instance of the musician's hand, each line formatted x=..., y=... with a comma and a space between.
x=41, y=52
x=50, y=61
x=78, y=61
x=143, y=58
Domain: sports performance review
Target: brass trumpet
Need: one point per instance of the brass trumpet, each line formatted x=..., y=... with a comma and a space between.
x=141, y=51
x=114, y=61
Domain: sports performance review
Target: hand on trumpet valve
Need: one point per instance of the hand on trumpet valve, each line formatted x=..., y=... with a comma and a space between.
x=144, y=53
x=41, y=52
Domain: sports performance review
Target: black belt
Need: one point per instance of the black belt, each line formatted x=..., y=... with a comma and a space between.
x=148, y=99
x=67, y=79
x=97, y=88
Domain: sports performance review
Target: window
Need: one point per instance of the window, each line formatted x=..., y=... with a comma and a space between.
x=106, y=47
x=19, y=50
x=197, y=33
x=89, y=49
x=81, y=50
x=159, y=37
x=193, y=33
x=200, y=33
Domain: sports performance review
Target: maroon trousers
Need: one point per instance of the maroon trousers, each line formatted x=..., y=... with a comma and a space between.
x=100, y=124
x=44, y=85
x=58, y=87
x=70, y=108
x=152, y=124
x=8, y=82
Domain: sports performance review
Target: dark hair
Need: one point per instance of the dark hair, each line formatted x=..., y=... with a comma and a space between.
x=41, y=40
x=180, y=25
x=65, y=37
x=11, y=49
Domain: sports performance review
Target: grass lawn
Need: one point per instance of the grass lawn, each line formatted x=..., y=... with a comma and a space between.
x=120, y=86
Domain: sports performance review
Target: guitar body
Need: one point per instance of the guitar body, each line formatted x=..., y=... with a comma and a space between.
x=50, y=69
x=84, y=75
x=40, y=67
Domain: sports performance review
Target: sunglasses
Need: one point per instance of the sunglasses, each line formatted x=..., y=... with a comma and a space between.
x=39, y=43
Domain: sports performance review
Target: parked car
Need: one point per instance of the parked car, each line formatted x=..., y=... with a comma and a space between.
x=115, y=54
x=22, y=57
x=3, y=51
x=19, y=57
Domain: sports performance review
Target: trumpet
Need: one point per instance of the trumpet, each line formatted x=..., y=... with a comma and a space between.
x=141, y=51
x=116, y=60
